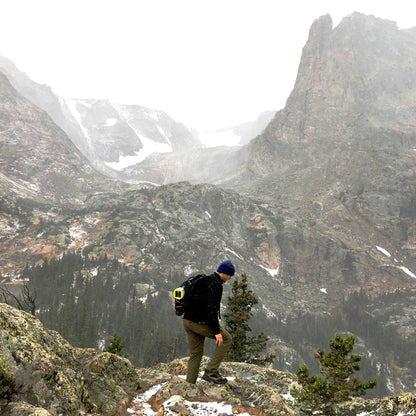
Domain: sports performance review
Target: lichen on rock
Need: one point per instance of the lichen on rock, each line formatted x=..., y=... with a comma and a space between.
x=41, y=370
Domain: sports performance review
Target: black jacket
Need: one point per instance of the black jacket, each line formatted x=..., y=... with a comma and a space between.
x=206, y=309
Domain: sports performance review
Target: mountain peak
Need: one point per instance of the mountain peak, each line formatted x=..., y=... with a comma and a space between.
x=321, y=28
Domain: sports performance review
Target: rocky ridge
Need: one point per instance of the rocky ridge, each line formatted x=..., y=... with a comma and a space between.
x=37, y=159
x=41, y=374
x=107, y=134
x=116, y=136
x=160, y=229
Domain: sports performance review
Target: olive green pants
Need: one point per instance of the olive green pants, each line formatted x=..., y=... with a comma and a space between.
x=196, y=337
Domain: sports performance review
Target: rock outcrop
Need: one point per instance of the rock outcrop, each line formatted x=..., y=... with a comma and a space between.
x=42, y=375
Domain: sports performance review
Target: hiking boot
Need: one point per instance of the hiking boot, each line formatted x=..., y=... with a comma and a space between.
x=213, y=376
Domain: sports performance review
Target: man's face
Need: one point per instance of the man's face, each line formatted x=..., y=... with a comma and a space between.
x=225, y=277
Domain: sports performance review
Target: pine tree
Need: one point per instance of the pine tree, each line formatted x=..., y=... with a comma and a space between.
x=116, y=346
x=244, y=348
x=336, y=385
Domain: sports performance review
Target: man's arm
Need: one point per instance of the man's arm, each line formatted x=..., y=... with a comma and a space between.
x=214, y=294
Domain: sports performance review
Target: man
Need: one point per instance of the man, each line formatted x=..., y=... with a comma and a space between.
x=202, y=321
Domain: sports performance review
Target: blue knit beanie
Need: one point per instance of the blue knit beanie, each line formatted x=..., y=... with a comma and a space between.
x=226, y=267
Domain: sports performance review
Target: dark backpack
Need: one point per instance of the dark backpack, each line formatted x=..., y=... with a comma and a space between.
x=186, y=295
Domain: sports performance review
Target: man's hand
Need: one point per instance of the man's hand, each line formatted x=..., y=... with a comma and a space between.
x=218, y=338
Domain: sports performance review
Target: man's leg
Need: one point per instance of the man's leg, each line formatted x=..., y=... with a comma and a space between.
x=220, y=350
x=196, y=346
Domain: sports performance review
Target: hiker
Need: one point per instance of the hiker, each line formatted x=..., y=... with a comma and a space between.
x=203, y=321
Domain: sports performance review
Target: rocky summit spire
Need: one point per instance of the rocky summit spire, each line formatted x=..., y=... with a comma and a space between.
x=362, y=68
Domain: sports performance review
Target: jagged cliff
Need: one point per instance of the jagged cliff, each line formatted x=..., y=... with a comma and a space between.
x=341, y=153
x=41, y=374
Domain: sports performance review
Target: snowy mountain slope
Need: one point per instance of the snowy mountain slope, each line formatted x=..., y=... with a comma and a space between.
x=117, y=136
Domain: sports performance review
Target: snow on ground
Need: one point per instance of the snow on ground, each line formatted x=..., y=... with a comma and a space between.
x=233, y=252
x=111, y=122
x=142, y=400
x=188, y=270
x=288, y=396
x=407, y=271
x=140, y=405
x=403, y=268
x=268, y=312
x=163, y=134
x=149, y=147
x=272, y=272
x=384, y=251
x=72, y=105
x=125, y=161
x=225, y=137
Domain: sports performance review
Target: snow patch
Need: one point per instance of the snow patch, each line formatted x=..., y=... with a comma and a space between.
x=323, y=290
x=272, y=272
x=384, y=251
x=143, y=299
x=403, y=268
x=141, y=407
x=407, y=271
x=149, y=147
x=162, y=132
x=72, y=105
x=188, y=270
x=111, y=122
x=233, y=252
x=125, y=161
x=143, y=398
x=209, y=408
x=269, y=313
x=288, y=396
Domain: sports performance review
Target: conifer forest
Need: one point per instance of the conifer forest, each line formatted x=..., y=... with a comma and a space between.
x=88, y=300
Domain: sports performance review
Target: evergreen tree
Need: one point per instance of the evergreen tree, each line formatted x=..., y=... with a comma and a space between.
x=116, y=346
x=336, y=385
x=244, y=348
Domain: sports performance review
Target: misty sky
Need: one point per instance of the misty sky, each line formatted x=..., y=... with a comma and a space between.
x=209, y=64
